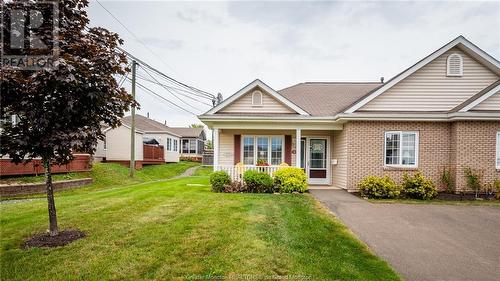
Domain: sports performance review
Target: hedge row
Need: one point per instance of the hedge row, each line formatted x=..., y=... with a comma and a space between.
x=286, y=180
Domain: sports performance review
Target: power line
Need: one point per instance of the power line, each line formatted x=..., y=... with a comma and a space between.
x=161, y=97
x=175, y=88
x=206, y=94
x=136, y=38
x=167, y=88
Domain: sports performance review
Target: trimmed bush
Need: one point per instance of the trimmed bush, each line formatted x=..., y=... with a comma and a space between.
x=258, y=182
x=290, y=179
x=379, y=187
x=219, y=180
x=418, y=187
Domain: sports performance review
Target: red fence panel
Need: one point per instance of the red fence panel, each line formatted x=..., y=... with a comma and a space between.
x=153, y=152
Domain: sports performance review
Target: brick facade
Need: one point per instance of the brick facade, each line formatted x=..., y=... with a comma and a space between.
x=441, y=144
x=473, y=145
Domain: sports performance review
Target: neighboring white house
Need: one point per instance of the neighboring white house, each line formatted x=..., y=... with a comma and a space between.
x=151, y=138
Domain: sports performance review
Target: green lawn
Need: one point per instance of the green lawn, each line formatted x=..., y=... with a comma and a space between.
x=108, y=175
x=178, y=229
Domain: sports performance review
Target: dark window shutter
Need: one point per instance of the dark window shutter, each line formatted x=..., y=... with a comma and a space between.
x=237, y=149
x=288, y=149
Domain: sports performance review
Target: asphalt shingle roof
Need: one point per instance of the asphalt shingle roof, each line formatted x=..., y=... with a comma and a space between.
x=327, y=98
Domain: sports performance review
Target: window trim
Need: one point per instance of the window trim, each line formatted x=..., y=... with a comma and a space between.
x=269, y=148
x=261, y=98
x=399, y=165
x=448, y=65
x=497, y=148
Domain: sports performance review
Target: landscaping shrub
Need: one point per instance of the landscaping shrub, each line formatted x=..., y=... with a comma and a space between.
x=219, y=180
x=379, y=188
x=447, y=180
x=234, y=187
x=290, y=179
x=418, y=186
x=473, y=179
x=258, y=182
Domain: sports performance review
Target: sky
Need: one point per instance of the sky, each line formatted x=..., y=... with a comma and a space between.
x=220, y=47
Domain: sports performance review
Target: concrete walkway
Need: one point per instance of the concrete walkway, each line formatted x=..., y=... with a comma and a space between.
x=424, y=241
x=187, y=173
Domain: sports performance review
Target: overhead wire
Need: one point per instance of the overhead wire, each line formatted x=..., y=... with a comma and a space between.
x=160, y=96
x=169, y=90
x=135, y=36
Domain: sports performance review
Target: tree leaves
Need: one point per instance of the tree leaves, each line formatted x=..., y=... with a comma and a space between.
x=61, y=110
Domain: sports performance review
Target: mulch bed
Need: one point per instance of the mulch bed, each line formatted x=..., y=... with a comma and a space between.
x=464, y=197
x=46, y=241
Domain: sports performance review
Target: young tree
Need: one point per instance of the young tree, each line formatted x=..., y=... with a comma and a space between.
x=61, y=109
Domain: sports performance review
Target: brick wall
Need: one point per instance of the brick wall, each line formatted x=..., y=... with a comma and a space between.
x=473, y=144
x=441, y=144
x=7, y=190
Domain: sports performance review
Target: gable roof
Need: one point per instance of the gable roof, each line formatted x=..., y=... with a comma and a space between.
x=147, y=125
x=478, y=98
x=269, y=90
x=460, y=41
x=327, y=98
x=187, y=132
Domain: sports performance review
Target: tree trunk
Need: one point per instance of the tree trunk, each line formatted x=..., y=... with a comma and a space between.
x=53, y=231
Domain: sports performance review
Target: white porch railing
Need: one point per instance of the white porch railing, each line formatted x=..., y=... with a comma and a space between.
x=236, y=172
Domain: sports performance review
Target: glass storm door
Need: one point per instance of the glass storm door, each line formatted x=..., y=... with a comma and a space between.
x=317, y=168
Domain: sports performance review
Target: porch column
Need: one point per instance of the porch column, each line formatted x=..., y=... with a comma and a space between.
x=298, y=151
x=216, y=147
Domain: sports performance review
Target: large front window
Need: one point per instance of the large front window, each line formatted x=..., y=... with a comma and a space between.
x=248, y=151
x=401, y=149
x=262, y=150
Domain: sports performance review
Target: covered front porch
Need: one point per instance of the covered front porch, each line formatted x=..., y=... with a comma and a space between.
x=318, y=151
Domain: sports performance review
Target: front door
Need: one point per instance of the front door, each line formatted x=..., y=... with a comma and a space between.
x=316, y=159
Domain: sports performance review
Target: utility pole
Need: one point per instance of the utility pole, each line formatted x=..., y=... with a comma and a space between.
x=132, y=126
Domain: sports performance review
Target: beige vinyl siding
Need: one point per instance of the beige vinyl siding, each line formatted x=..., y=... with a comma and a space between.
x=491, y=103
x=226, y=149
x=118, y=144
x=429, y=89
x=244, y=105
x=339, y=152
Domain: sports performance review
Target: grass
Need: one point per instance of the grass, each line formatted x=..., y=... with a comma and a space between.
x=108, y=175
x=178, y=229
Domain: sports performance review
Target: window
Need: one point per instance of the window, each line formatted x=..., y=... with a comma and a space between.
x=267, y=149
x=454, y=65
x=201, y=146
x=401, y=149
x=185, y=146
x=276, y=151
x=248, y=151
x=262, y=149
x=498, y=151
x=257, y=98
x=104, y=144
x=192, y=146
x=176, y=144
x=169, y=144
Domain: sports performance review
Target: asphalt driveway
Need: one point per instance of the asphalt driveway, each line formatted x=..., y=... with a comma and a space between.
x=424, y=241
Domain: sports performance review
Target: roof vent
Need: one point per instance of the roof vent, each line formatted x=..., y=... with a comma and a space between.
x=454, y=65
x=382, y=79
